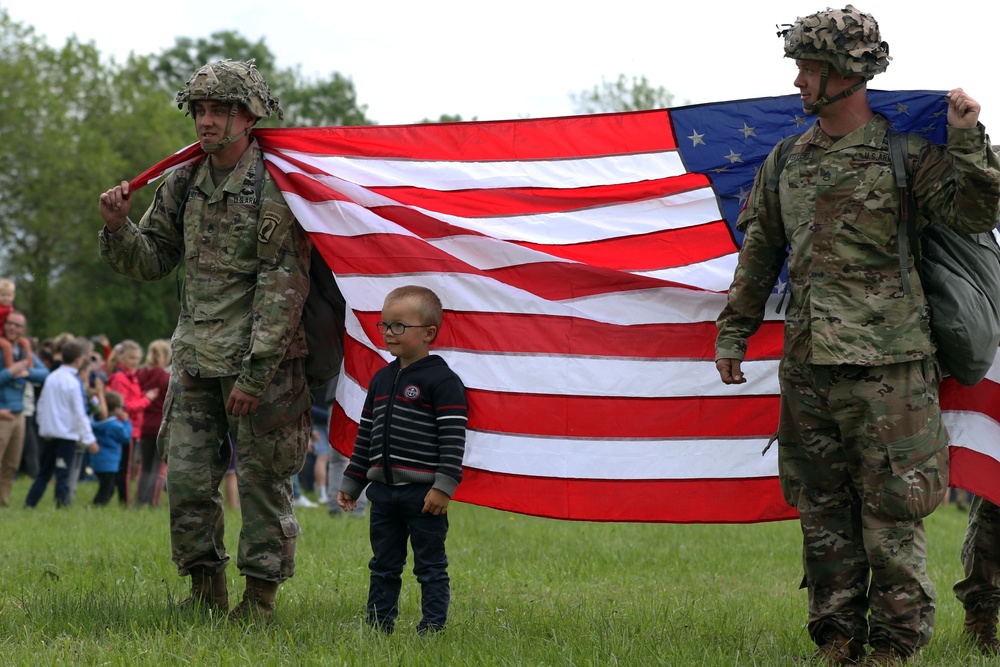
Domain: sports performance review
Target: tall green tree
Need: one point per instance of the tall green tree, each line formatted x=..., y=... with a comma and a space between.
x=306, y=102
x=74, y=125
x=622, y=95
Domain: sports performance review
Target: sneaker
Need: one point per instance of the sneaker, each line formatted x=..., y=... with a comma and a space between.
x=303, y=501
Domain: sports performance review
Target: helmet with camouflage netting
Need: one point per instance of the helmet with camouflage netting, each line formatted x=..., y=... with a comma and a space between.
x=846, y=38
x=230, y=81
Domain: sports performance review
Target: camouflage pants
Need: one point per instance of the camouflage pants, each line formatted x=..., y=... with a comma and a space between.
x=981, y=557
x=271, y=448
x=863, y=458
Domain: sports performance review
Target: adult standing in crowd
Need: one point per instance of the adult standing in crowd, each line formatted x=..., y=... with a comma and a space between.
x=239, y=348
x=153, y=376
x=26, y=368
x=123, y=378
x=862, y=450
x=62, y=423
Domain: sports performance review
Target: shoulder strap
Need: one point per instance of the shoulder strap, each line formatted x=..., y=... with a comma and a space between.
x=259, y=173
x=784, y=148
x=908, y=213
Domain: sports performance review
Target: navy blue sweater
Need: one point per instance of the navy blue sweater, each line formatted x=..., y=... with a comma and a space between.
x=415, y=419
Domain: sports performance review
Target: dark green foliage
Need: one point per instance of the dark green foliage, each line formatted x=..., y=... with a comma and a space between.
x=74, y=125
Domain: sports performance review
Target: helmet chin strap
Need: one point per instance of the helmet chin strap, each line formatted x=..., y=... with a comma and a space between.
x=822, y=100
x=212, y=148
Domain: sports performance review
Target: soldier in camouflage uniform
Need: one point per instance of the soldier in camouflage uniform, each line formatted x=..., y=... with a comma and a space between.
x=979, y=591
x=862, y=449
x=239, y=346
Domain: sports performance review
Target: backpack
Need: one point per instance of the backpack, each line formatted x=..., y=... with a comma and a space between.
x=960, y=274
x=324, y=310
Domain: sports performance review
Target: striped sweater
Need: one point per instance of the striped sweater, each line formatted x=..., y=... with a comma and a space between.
x=415, y=419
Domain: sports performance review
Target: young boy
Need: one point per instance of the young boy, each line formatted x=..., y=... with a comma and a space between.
x=112, y=435
x=410, y=445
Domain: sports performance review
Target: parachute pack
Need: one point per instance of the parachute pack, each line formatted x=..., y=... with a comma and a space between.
x=960, y=274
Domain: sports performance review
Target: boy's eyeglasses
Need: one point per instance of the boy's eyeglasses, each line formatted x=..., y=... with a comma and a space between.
x=398, y=328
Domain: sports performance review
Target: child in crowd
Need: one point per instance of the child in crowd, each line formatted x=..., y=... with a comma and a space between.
x=112, y=435
x=7, y=294
x=123, y=378
x=410, y=446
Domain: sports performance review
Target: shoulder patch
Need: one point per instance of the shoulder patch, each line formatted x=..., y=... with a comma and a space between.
x=268, y=223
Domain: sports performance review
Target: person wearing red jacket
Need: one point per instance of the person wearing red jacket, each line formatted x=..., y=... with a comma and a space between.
x=123, y=378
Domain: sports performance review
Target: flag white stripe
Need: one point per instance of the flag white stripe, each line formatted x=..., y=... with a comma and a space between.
x=569, y=172
x=620, y=459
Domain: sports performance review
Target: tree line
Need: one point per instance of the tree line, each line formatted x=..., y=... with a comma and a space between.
x=75, y=123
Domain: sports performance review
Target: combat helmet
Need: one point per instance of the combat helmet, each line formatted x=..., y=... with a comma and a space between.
x=848, y=39
x=234, y=82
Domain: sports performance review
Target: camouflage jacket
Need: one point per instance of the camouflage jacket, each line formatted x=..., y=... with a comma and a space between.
x=836, y=215
x=246, y=275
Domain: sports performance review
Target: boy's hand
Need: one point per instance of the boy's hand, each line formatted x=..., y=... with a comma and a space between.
x=345, y=502
x=436, y=502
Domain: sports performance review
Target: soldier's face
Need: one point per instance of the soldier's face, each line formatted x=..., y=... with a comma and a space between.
x=212, y=117
x=809, y=81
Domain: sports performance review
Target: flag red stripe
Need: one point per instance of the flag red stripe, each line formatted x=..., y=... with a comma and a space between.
x=529, y=201
x=370, y=255
x=609, y=417
x=983, y=398
x=677, y=501
x=550, y=334
x=524, y=139
x=649, y=252
x=975, y=472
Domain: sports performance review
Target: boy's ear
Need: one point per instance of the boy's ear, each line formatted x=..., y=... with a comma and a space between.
x=430, y=333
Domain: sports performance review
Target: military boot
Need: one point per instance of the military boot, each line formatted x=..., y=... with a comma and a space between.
x=884, y=656
x=208, y=590
x=257, y=605
x=836, y=649
x=981, y=627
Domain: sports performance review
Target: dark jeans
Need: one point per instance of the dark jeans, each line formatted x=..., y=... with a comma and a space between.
x=124, y=477
x=395, y=514
x=105, y=488
x=55, y=456
x=150, y=477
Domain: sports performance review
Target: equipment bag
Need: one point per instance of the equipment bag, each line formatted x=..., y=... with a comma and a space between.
x=960, y=274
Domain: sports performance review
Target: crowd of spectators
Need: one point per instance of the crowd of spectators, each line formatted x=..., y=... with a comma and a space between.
x=122, y=400
x=119, y=396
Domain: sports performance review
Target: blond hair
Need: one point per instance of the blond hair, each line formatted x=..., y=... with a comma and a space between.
x=120, y=350
x=158, y=354
x=424, y=301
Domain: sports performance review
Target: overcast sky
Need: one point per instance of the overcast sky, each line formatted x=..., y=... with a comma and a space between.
x=516, y=58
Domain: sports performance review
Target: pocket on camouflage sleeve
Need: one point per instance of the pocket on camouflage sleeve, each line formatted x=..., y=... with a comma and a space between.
x=916, y=480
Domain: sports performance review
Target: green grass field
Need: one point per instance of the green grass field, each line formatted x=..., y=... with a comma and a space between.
x=96, y=587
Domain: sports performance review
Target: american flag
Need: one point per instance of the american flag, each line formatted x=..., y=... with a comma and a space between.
x=581, y=262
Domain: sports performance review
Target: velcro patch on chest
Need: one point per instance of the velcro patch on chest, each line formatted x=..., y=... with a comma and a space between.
x=268, y=223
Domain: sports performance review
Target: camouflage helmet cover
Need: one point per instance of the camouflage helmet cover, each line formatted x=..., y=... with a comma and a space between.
x=233, y=82
x=846, y=38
